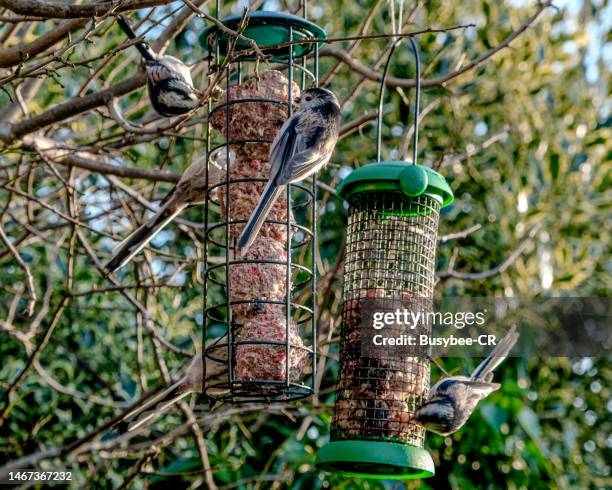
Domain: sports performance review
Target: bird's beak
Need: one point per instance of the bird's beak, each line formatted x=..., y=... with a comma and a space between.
x=297, y=100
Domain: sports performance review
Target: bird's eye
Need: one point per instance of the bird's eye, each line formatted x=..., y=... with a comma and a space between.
x=308, y=98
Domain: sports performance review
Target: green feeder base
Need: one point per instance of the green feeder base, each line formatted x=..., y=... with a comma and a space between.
x=267, y=29
x=376, y=459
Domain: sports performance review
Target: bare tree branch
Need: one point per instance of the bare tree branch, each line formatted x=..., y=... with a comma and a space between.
x=32, y=358
x=77, y=105
x=395, y=82
x=477, y=276
x=57, y=10
x=13, y=56
x=9, y=132
x=152, y=453
x=357, y=123
x=26, y=270
x=72, y=158
x=460, y=234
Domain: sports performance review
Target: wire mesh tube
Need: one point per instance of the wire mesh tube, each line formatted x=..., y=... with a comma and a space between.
x=390, y=256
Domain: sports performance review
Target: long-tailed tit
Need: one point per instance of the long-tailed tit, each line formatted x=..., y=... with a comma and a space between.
x=302, y=147
x=169, y=80
x=452, y=400
x=159, y=401
x=190, y=190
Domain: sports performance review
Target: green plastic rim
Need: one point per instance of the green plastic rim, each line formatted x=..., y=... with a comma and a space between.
x=267, y=29
x=376, y=459
x=411, y=180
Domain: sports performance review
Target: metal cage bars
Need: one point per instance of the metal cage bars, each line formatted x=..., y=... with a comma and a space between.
x=218, y=280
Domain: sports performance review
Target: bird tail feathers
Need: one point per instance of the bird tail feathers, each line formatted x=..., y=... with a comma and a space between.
x=266, y=201
x=482, y=388
x=140, y=238
x=156, y=412
x=497, y=356
x=145, y=52
x=149, y=400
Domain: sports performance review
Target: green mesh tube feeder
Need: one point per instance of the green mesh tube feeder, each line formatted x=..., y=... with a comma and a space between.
x=390, y=254
x=394, y=210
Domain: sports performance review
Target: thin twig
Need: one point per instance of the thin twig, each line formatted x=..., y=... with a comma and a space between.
x=31, y=358
x=357, y=123
x=152, y=453
x=220, y=25
x=26, y=271
x=472, y=150
x=459, y=234
x=477, y=276
x=331, y=40
x=442, y=79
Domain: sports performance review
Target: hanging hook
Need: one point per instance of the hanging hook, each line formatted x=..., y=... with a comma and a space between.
x=415, y=135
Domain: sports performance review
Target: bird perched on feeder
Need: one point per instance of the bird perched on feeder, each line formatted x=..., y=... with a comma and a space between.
x=452, y=400
x=302, y=147
x=169, y=80
x=162, y=399
x=190, y=190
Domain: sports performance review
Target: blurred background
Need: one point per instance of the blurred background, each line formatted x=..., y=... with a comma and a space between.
x=522, y=138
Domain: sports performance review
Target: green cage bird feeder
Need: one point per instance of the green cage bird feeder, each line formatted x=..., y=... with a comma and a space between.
x=256, y=306
x=394, y=209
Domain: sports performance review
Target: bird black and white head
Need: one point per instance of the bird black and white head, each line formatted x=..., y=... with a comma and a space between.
x=169, y=80
x=317, y=96
x=170, y=86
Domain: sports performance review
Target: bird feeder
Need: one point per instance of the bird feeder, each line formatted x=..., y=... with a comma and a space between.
x=394, y=209
x=253, y=304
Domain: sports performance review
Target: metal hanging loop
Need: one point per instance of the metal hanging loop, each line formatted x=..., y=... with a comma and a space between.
x=415, y=135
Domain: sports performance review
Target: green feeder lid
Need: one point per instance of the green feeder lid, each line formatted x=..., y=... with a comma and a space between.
x=266, y=29
x=412, y=180
x=375, y=459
